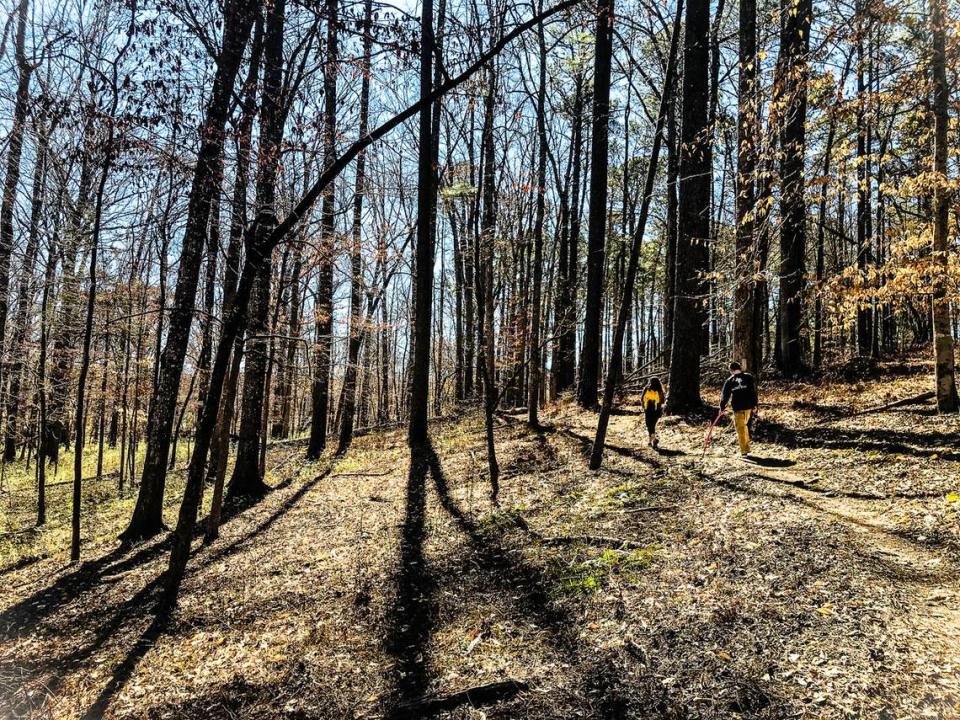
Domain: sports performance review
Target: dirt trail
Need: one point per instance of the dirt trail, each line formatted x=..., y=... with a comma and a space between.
x=928, y=622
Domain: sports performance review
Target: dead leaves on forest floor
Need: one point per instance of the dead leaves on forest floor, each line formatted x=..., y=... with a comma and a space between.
x=823, y=587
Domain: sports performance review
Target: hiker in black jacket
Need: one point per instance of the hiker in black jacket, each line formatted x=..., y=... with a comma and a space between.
x=740, y=390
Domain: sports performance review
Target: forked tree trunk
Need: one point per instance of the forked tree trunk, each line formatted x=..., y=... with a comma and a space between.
x=147, y=517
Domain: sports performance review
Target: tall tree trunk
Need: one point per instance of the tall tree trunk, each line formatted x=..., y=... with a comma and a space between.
x=320, y=390
x=12, y=177
x=794, y=48
x=746, y=339
x=25, y=296
x=942, y=335
x=488, y=229
x=356, y=261
x=565, y=314
x=670, y=254
x=693, y=227
x=533, y=396
x=147, y=518
x=587, y=392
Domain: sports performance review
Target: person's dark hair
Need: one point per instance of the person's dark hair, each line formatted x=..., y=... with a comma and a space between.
x=654, y=384
x=735, y=366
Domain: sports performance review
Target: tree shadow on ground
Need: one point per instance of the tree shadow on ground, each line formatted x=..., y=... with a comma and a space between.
x=108, y=622
x=25, y=614
x=876, y=564
x=113, y=621
x=506, y=569
x=770, y=462
x=902, y=442
x=411, y=614
x=849, y=494
x=586, y=447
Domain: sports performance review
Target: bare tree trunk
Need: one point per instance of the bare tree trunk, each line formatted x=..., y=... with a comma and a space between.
x=694, y=219
x=324, y=327
x=533, y=396
x=356, y=261
x=794, y=47
x=26, y=293
x=746, y=340
x=247, y=479
x=587, y=391
x=626, y=302
x=942, y=336
x=12, y=177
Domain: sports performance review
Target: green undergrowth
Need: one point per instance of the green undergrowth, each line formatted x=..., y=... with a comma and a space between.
x=587, y=576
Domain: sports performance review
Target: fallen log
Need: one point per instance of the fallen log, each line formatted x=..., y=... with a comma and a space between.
x=475, y=696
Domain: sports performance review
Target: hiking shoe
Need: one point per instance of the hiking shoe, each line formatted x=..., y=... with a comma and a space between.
x=655, y=443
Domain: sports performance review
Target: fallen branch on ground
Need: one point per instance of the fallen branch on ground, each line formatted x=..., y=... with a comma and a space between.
x=478, y=695
x=592, y=540
x=914, y=400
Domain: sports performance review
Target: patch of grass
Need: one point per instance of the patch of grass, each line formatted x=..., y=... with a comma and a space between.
x=499, y=521
x=588, y=576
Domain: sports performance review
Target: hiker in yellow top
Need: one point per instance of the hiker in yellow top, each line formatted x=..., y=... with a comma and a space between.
x=740, y=390
x=652, y=401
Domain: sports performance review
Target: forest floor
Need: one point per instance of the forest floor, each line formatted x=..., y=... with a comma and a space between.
x=820, y=581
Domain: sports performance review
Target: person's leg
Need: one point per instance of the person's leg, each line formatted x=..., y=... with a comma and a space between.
x=650, y=415
x=740, y=420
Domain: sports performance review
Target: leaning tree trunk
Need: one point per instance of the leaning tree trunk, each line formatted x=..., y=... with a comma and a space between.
x=626, y=302
x=147, y=517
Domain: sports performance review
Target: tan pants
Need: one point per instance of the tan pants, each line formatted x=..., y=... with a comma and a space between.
x=741, y=418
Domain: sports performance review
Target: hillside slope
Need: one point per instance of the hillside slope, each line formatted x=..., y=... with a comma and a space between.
x=821, y=581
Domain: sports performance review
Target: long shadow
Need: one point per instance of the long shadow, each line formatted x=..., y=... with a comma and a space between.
x=411, y=614
x=22, y=564
x=586, y=446
x=131, y=609
x=235, y=546
x=124, y=670
x=889, y=568
x=523, y=580
x=850, y=494
x=109, y=621
x=886, y=441
x=25, y=614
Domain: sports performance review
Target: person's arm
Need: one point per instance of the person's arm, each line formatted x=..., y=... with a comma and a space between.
x=753, y=392
x=725, y=395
